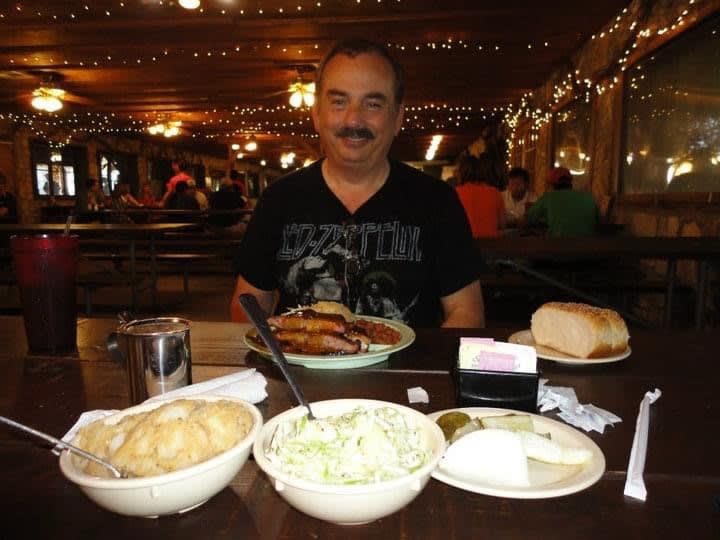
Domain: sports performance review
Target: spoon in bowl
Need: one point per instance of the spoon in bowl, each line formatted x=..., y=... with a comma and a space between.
x=117, y=473
x=258, y=318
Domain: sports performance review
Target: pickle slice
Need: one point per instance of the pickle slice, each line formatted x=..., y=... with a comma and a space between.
x=511, y=422
x=449, y=422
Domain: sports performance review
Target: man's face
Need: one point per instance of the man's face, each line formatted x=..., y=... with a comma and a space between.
x=517, y=187
x=175, y=167
x=356, y=115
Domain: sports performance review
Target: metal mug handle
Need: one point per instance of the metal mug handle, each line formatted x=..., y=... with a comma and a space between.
x=113, y=348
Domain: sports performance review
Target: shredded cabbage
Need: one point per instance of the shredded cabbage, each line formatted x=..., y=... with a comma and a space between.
x=362, y=446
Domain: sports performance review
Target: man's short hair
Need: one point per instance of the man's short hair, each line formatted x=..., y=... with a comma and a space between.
x=560, y=178
x=181, y=186
x=356, y=46
x=519, y=172
x=234, y=175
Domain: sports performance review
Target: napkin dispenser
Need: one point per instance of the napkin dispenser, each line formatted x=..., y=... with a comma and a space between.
x=500, y=389
x=496, y=374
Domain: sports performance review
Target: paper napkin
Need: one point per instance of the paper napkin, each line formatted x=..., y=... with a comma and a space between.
x=417, y=394
x=247, y=384
x=634, y=483
x=487, y=354
x=585, y=416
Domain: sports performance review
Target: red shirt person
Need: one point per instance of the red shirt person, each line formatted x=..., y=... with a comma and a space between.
x=482, y=201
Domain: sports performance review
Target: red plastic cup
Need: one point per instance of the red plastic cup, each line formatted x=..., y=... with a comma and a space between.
x=46, y=270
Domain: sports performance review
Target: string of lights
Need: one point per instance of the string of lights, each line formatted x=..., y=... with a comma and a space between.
x=575, y=85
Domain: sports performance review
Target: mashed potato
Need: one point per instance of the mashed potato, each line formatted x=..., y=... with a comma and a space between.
x=174, y=436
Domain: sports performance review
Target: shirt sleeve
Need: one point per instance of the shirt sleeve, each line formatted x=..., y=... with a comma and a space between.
x=255, y=259
x=458, y=260
x=536, y=215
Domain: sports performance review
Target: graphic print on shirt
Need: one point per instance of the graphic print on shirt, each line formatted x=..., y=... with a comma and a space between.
x=340, y=263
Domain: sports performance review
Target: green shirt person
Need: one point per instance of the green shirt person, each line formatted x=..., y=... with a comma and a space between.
x=566, y=213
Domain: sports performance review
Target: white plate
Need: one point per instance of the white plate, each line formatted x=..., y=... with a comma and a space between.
x=546, y=480
x=376, y=354
x=525, y=337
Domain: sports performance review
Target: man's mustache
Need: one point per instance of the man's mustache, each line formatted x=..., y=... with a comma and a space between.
x=355, y=133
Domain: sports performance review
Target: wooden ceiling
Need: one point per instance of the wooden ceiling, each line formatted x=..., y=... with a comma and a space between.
x=224, y=69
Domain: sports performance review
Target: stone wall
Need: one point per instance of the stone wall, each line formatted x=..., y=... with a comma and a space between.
x=662, y=215
x=15, y=162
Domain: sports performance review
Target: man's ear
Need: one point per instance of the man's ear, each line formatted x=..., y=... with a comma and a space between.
x=399, y=119
x=315, y=115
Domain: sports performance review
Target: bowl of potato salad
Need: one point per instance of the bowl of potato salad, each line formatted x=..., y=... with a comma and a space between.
x=358, y=461
x=174, y=454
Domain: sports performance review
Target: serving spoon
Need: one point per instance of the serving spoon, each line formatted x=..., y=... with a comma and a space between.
x=117, y=473
x=258, y=318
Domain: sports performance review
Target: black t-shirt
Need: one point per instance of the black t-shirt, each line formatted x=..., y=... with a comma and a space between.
x=395, y=257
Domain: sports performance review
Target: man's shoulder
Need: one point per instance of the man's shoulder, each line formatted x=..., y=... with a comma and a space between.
x=300, y=180
x=416, y=180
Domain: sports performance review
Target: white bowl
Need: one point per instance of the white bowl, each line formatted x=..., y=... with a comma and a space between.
x=175, y=492
x=357, y=503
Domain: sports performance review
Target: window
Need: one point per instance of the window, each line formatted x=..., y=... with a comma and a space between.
x=571, y=141
x=109, y=173
x=54, y=170
x=672, y=116
x=117, y=168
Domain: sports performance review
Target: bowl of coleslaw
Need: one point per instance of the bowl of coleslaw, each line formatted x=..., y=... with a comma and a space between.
x=358, y=461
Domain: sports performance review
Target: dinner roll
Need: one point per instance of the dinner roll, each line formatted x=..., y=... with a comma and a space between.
x=579, y=330
x=333, y=308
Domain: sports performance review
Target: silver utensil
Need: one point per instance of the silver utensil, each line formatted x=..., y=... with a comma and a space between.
x=69, y=447
x=259, y=320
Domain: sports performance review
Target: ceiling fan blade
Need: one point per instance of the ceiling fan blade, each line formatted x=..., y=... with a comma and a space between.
x=74, y=98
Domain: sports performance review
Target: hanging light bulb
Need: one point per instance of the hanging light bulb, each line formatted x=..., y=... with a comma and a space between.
x=296, y=99
x=189, y=4
x=47, y=99
x=302, y=93
x=251, y=145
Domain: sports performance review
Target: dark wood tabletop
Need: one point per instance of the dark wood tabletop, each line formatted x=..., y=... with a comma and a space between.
x=682, y=471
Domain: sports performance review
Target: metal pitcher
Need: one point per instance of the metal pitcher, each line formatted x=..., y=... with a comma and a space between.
x=155, y=353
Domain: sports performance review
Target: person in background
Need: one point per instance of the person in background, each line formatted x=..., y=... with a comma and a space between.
x=237, y=182
x=517, y=197
x=181, y=199
x=200, y=197
x=323, y=231
x=481, y=199
x=96, y=196
x=8, y=204
x=180, y=175
x=565, y=213
x=225, y=198
x=147, y=197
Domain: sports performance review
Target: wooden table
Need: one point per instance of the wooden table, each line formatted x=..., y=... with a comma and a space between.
x=682, y=470
x=131, y=232
x=705, y=250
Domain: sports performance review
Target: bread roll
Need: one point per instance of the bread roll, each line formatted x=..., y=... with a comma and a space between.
x=579, y=330
x=333, y=308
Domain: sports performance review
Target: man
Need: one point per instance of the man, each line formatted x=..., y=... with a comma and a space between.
x=180, y=175
x=323, y=232
x=8, y=205
x=200, y=197
x=566, y=213
x=517, y=196
x=181, y=199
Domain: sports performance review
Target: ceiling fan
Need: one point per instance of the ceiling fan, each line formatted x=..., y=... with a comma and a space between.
x=49, y=94
x=302, y=91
